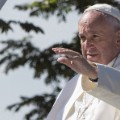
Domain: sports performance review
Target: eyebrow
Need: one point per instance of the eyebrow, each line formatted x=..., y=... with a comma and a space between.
x=92, y=32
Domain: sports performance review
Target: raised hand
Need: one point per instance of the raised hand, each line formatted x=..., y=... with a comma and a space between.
x=76, y=62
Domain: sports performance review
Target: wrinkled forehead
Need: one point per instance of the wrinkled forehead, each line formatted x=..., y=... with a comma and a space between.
x=94, y=21
x=92, y=17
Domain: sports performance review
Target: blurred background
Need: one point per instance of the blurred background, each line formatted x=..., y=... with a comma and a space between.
x=30, y=76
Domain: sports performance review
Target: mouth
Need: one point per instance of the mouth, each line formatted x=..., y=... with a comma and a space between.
x=92, y=54
x=92, y=57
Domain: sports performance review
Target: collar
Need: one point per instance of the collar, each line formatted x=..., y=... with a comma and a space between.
x=113, y=62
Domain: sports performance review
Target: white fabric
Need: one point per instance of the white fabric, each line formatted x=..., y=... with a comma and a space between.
x=107, y=90
x=2, y=2
x=105, y=8
x=66, y=98
x=86, y=103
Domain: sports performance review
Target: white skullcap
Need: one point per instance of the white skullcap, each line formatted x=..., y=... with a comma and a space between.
x=2, y=2
x=105, y=8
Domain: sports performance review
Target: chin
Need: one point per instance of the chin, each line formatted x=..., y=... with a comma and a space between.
x=93, y=60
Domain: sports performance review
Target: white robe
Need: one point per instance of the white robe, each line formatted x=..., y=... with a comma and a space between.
x=103, y=98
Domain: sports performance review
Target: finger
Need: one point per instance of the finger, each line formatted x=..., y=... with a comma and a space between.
x=59, y=50
x=65, y=60
x=65, y=51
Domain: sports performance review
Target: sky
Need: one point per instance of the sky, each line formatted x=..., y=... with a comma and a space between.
x=20, y=82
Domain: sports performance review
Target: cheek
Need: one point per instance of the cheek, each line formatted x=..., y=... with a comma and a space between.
x=106, y=48
x=106, y=51
x=83, y=48
x=102, y=51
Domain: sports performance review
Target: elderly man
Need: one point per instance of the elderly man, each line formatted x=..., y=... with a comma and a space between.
x=93, y=94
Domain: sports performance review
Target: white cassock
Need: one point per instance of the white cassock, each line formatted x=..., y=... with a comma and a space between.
x=82, y=99
x=2, y=2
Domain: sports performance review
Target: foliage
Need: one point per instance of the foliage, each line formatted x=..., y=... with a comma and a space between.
x=42, y=104
x=39, y=61
x=16, y=53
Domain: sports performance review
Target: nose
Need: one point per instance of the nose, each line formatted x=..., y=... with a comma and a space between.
x=88, y=44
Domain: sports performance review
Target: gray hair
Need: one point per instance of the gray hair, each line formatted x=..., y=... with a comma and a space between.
x=111, y=14
x=113, y=21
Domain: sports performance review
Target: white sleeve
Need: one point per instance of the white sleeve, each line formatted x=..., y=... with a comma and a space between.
x=108, y=86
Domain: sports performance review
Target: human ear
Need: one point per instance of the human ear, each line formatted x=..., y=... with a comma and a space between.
x=118, y=39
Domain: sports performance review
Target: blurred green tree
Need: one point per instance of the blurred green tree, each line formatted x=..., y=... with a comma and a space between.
x=41, y=61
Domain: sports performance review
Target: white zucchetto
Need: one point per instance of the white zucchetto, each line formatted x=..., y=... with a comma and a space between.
x=105, y=8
